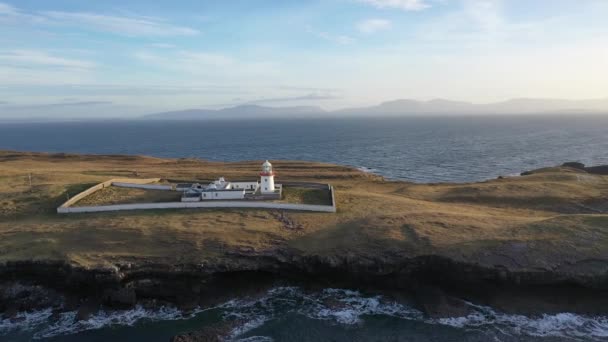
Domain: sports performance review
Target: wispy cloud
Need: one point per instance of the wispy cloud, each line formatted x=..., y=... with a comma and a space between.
x=406, y=5
x=485, y=14
x=219, y=67
x=303, y=88
x=6, y=9
x=187, y=59
x=162, y=45
x=59, y=104
x=373, y=25
x=35, y=58
x=338, y=39
x=39, y=67
x=10, y=14
x=308, y=97
x=208, y=59
x=120, y=24
x=481, y=21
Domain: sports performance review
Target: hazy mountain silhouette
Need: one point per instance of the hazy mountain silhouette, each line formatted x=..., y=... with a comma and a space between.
x=513, y=106
x=398, y=108
x=243, y=111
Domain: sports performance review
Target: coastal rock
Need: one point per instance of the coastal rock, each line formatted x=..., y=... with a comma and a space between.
x=15, y=297
x=597, y=170
x=575, y=165
x=86, y=309
x=120, y=298
x=435, y=303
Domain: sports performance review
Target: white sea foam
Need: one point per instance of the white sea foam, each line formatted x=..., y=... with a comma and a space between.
x=339, y=306
x=67, y=323
x=250, y=324
x=368, y=170
x=24, y=321
x=347, y=307
x=556, y=325
x=255, y=339
x=336, y=306
x=44, y=325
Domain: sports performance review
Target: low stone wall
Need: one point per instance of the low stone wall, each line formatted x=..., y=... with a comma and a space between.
x=102, y=185
x=66, y=208
x=208, y=204
x=332, y=196
x=143, y=186
x=308, y=185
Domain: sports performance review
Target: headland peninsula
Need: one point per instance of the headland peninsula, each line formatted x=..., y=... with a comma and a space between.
x=546, y=229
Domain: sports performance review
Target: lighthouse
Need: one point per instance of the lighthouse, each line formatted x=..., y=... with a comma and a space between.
x=267, y=178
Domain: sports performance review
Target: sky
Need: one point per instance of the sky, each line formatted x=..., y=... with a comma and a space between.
x=126, y=58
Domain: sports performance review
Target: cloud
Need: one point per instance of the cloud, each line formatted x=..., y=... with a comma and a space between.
x=162, y=45
x=483, y=22
x=122, y=90
x=338, y=39
x=406, y=5
x=6, y=9
x=303, y=88
x=38, y=67
x=373, y=25
x=60, y=104
x=122, y=25
x=205, y=58
x=35, y=58
x=486, y=14
x=12, y=15
x=208, y=66
x=187, y=59
x=309, y=97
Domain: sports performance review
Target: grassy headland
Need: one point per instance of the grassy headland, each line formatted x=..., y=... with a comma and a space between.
x=552, y=220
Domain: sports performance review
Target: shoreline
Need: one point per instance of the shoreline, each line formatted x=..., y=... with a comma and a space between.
x=434, y=303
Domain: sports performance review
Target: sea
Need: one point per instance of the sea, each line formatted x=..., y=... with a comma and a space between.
x=419, y=149
x=416, y=149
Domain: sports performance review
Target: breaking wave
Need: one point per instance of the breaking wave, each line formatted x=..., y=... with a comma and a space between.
x=349, y=307
x=554, y=325
x=44, y=324
x=25, y=321
x=335, y=306
x=368, y=170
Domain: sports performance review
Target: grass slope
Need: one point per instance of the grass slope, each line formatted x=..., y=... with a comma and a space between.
x=551, y=219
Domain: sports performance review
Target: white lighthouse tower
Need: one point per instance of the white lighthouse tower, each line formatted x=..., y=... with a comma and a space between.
x=267, y=178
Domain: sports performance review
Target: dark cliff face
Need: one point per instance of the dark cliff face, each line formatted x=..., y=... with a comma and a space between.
x=438, y=286
x=188, y=285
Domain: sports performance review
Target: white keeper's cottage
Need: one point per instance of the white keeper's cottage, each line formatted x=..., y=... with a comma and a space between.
x=264, y=189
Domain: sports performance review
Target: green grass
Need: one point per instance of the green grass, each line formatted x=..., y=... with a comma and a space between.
x=375, y=219
x=117, y=195
x=306, y=196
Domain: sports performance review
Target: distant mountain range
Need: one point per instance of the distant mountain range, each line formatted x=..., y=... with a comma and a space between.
x=397, y=108
x=238, y=112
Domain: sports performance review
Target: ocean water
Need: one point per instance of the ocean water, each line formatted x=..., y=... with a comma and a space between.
x=292, y=314
x=455, y=149
x=450, y=149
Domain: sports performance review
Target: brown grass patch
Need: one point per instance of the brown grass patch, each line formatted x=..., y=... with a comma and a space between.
x=543, y=213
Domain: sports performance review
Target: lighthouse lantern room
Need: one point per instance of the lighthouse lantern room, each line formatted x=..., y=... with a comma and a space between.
x=267, y=178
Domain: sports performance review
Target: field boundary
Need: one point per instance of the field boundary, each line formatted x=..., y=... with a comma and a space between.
x=102, y=185
x=67, y=208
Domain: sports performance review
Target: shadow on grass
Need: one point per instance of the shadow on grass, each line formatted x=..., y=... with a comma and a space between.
x=307, y=196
